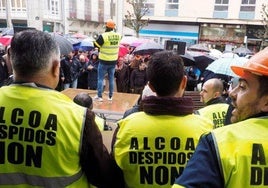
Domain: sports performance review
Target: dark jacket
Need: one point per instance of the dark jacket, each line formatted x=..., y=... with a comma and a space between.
x=92, y=78
x=138, y=78
x=70, y=69
x=3, y=71
x=122, y=79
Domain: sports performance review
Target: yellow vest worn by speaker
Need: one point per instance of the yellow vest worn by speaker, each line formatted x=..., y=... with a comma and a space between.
x=153, y=150
x=40, y=138
x=242, y=150
x=215, y=112
x=110, y=48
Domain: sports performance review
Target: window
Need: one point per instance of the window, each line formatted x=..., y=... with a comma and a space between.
x=221, y=5
x=172, y=5
x=248, y=5
x=247, y=9
x=172, y=8
x=53, y=7
x=88, y=9
x=150, y=5
x=3, y=5
x=18, y=5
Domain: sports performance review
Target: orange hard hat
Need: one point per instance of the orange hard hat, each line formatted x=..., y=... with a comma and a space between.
x=110, y=24
x=257, y=64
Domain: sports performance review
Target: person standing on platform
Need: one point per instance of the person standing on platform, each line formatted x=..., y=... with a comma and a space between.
x=46, y=139
x=236, y=155
x=216, y=106
x=108, y=44
x=149, y=145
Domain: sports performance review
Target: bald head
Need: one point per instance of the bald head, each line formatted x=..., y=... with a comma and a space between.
x=212, y=88
x=216, y=85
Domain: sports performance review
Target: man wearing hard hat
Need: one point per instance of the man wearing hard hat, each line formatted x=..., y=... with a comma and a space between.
x=108, y=44
x=236, y=155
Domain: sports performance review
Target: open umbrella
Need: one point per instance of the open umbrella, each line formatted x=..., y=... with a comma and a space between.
x=123, y=50
x=79, y=36
x=138, y=42
x=87, y=44
x=8, y=31
x=223, y=65
x=188, y=59
x=128, y=40
x=215, y=53
x=148, y=48
x=242, y=50
x=229, y=54
x=65, y=46
x=201, y=47
x=5, y=40
x=202, y=61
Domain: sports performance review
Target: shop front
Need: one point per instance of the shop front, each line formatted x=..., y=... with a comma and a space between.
x=221, y=36
x=176, y=32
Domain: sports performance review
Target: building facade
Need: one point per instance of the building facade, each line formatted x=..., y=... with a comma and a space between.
x=64, y=16
x=222, y=24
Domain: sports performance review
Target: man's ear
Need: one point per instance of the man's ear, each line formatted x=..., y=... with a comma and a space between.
x=216, y=94
x=183, y=83
x=56, y=68
x=264, y=102
x=182, y=87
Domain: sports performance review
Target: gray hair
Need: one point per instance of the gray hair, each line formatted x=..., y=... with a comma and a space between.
x=31, y=51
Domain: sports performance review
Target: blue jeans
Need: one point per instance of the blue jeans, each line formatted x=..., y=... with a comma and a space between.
x=102, y=70
x=73, y=84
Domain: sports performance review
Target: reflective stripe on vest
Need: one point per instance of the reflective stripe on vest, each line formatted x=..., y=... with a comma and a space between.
x=20, y=178
x=41, y=135
x=215, y=112
x=110, y=48
x=243, y=154
x=153, y=150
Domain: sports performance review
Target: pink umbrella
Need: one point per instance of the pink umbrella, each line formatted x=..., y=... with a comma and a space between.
x=138, y=42
x=122, y=51
x=79, y=36
x=5, y=40
x=128, y=40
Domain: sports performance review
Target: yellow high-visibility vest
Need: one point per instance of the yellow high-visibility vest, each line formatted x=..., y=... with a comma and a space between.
x=153, y=150
x=215, y=112
x=242, y=150
x=110, y=48
x=40, y=138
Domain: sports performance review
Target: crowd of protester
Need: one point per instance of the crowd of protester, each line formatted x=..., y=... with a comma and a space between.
x=48, y=140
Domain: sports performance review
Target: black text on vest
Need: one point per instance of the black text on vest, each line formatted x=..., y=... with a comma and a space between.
x=23, y=135
x=259, y=170
x=160, y=160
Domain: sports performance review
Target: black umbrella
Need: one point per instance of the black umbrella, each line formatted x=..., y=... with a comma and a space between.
x=65, y=46
x=148, y=48
x=188, y=59
x=202, y=61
